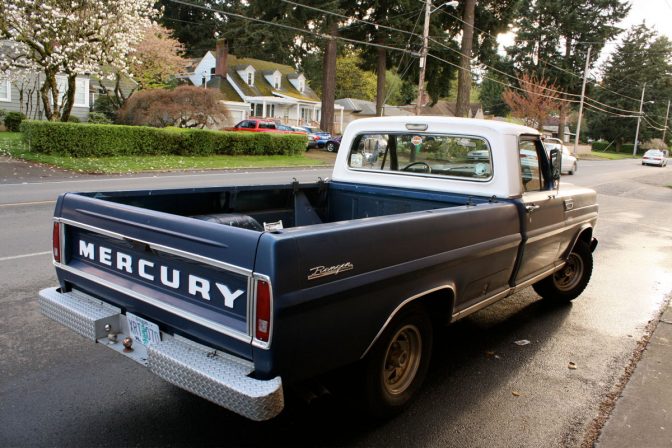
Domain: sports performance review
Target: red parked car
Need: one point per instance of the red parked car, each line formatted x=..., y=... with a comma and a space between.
x=261, y=125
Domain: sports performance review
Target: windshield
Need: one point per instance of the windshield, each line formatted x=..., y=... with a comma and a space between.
x=423, y=154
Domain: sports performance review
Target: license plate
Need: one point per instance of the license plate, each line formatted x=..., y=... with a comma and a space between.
x=143, y=331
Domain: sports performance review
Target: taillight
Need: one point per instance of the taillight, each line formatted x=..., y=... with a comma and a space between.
x=262, y=318
x=56, y=242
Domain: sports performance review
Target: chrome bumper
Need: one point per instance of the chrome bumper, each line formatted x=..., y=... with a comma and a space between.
x=216, y=376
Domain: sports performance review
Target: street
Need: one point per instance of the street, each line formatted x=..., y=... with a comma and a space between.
x=483, y=389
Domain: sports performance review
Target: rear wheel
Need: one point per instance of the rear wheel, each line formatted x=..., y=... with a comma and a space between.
x=331, y=146
x=397, y=365
x=570, y=281
x=573, y=170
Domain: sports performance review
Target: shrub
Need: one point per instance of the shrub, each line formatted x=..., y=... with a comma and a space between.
x=73, y=119
x=99, y=118
x=106, y=106
x=103, y=140
x=184, y=107
x=655, y=143
x=13, y=121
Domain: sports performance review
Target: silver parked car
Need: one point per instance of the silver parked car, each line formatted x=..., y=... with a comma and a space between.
x=655, y=157
x=569, y=162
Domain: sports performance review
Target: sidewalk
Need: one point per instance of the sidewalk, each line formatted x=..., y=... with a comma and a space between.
x=643, y=414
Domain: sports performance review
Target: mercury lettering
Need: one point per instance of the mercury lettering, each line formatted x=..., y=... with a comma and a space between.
x=149, y=270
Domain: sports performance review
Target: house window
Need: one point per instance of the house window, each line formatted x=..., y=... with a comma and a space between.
x=81, y=92
x=270, y=110
x=250, y=78
x=5, y=90
x=277, y=82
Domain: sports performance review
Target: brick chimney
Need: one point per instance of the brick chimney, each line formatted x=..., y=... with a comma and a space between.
x=221, y=55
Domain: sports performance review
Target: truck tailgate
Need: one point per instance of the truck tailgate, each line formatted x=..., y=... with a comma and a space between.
x=181, y=273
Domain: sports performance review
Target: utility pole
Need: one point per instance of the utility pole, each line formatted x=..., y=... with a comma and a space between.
x=667, y=114
x=423, y=52
x=423, y=56
x=639, y=119
x=583, y=94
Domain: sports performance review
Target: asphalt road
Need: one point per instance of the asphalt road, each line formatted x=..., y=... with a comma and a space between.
x=56, y=389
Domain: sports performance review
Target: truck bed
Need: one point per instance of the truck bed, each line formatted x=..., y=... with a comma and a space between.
x=293, y=204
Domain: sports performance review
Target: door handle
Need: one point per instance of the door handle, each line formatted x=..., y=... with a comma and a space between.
x=532, y=208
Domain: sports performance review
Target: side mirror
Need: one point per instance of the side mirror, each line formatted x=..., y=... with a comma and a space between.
x=556, y=165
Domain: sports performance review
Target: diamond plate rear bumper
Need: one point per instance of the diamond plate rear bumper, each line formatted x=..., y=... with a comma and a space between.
x=214, y=375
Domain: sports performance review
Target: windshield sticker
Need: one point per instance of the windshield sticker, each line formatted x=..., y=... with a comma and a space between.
x=356, y=160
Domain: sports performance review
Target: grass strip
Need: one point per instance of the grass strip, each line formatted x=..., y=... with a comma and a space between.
x=12, y=146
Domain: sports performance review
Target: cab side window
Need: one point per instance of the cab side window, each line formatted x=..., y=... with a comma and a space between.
x=530, y=169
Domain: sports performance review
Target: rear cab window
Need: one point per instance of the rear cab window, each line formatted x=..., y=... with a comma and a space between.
x=532, y=164
x=414, y=154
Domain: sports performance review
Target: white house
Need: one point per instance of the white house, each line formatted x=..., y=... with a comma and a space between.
x=255, y=88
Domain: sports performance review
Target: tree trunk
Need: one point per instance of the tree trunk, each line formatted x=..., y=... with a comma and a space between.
x=562, y=119
x=380, y=85
x=49, y=86
x=66, y=106
x=464, y=75
x=329, y=80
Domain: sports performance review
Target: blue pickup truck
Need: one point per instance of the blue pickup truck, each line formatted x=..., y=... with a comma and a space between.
x=234, y=293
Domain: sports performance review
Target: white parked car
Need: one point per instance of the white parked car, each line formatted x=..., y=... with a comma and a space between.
x=569, y=162
x=655, y=157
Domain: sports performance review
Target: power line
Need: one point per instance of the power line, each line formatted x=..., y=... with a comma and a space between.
x=388, y=47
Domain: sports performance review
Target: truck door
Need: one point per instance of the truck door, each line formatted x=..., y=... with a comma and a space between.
x=542, y=219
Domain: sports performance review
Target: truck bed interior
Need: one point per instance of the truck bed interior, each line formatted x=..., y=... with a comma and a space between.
x=294, y=204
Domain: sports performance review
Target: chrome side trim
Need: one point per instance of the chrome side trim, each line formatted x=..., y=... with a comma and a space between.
x=399, y=307
x=219, y=328
x=180, y=253
x=538, y=277
x=480, y=305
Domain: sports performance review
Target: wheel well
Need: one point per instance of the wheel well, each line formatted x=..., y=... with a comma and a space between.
x=439, y=304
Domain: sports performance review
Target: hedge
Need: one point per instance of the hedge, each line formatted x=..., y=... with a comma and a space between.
x=103, y=140
x=601, y=145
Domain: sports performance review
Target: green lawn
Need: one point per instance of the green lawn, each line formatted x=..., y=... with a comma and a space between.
x=613, y=155
x=11, y=145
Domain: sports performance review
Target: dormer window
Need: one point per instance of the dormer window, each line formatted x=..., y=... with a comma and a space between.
x=298, y=81
x=250, y=78
x=276, y=81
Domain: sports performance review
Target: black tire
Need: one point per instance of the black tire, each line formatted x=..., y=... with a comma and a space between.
x=569, y=282
x=573, y=170
x=397, y=365
x=331, y=146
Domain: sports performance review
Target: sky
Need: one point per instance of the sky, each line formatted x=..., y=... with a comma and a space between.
x=656, y=13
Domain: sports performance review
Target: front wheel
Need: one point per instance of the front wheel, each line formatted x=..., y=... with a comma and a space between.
x=569, y=282
x=397, y=365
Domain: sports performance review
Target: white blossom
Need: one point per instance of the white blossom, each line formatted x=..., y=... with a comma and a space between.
x=71, y=38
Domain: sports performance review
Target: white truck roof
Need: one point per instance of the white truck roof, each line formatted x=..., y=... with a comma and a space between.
x=502, y=138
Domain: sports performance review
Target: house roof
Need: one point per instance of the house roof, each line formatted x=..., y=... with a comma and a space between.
x=365, y=107
x=261, y=86
x=444, y=108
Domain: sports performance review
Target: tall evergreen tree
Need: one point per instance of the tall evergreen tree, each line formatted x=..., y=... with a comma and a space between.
x=642, y=58
x=481, y=22
x=194, y=27
x=553, y=38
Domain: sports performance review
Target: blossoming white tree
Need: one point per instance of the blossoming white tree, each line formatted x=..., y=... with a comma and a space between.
x=70, y=38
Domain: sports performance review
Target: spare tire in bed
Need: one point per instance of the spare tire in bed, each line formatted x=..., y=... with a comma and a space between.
x=232, y=219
